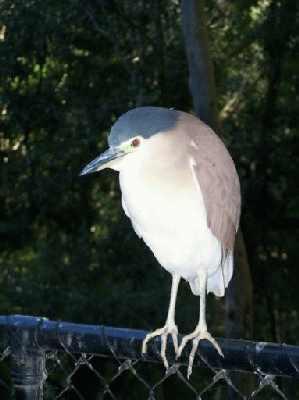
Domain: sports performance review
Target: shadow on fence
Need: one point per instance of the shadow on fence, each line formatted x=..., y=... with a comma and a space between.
x=42, y=359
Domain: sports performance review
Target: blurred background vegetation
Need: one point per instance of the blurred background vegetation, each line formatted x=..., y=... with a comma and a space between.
x=68, y=70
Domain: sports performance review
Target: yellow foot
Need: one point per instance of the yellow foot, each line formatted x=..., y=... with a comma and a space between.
x=168, y=329
x=196, y=336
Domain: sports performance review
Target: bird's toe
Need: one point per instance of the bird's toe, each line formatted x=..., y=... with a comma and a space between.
x=192, y=356
x=209, y=337
x=149, y=336
x=196, y=336
x=184, y=341
x=163, y=333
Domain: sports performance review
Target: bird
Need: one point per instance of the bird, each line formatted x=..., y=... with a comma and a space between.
x=181, y=191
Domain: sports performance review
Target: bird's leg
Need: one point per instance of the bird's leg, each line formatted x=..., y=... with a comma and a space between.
x=170, y=327
x=200, y=331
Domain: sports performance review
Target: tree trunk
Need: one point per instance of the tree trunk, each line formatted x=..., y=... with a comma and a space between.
x=201, y=70
x=238, y=304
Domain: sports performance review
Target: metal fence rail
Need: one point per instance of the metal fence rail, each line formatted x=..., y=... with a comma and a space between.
x=28, y=341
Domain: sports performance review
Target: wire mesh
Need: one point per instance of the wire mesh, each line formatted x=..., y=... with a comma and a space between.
x=110, y=375
x=131, y=379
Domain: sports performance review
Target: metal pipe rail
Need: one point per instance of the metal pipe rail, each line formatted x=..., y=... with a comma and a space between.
x=29, y=338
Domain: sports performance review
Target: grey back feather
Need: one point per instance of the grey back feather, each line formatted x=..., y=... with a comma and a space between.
x=217, y=177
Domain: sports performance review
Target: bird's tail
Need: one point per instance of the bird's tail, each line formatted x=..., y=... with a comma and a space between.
x=218, y=282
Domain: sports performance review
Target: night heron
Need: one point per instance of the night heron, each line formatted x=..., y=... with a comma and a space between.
x=181, y=191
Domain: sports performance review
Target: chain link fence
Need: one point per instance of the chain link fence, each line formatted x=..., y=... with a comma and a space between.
x=42, y=359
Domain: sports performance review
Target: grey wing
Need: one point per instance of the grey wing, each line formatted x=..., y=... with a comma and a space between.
x=215, y=172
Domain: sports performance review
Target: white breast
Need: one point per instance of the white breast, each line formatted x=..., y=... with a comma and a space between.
x=171, y=219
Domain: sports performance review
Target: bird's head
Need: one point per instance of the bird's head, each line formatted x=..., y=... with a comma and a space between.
x=131, y=137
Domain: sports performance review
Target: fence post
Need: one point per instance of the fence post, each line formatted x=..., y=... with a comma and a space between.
x=28, y=371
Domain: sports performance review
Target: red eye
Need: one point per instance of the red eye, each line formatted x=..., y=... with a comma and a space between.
x=135, y=142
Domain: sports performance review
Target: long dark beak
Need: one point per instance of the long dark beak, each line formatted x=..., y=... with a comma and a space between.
x=102, y=161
